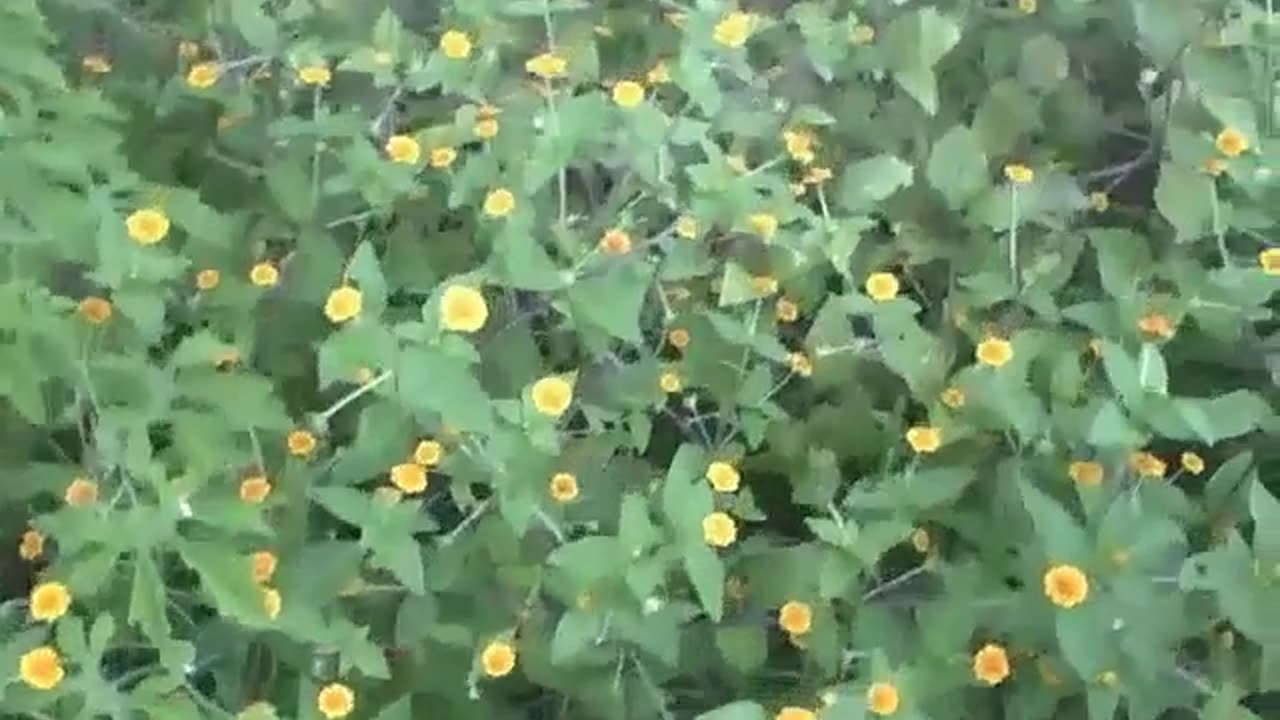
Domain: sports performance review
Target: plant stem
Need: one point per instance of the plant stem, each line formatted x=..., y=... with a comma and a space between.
x=1219, y=232
x=1013, y=237
x=315, y=151
x=352, y=396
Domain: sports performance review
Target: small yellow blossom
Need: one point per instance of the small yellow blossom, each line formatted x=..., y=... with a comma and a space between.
x=1099, y=201
x=41, y=668
x=255, y=489
x=1028, y=7
x=335, y=701
x=208, y=279
x=49, y=601
x=499, y=203
x=615, y=242
x=1086, y=472
x=344, y=303
x=862, y=34
x=410, y=478
x=1157, y=326
x=271, y=602
x=1231, y=142
x=1214, y=166
x=1147, y=465
x=920, y=540
x=817, y=175
x=883, y=699
x=719, y=529
x=924, y=439
x=1269, y=261
x=991, y=664
x=547, y=65
x=463, y=309
x=723, y=476
x=95, y=310
x=552, y=395
x=795, y=713
x=800, y=364
x=764, y=284
x=1019, y=174
x=734, y=29
x=442, y=157
x=687, y=228
x=670, y=382
x=1066, y=585
x=263, y=564
x=881, y=286
x=679, y=338
x=795, y=617
x=800, y=144
x=764, y=225
x=498, y=659
x=403, y=150
x=994, y=352
x=264, y=274
x=563, y=487
x=96, y=64
x=1191, y=462
x=455, y=44
x=428, y=453
x=658, y=74
x=81, y=492
x=301, y=443
x=786, y=310
x=31, y=546
x=486, y=128
x=628, y=94
x=317, y=75
x=147, y=226
x=953, y=397
x=204, y=75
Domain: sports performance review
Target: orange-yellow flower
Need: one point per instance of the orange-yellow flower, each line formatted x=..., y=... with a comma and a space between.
x=208, y=279
x=800, y=144
x=883, y=699
x=764, y=224
x=659, y=74
x=1147, y=465
x=628, y=94
x=344, y=303
x=264, y=274
x=498, y=659
x=264, y=565
x=1269, y=261
x=1099, y=201
x=335, y=701
x=1157, y=326
x=953, y=397
x=455, y=44
x=719, y=529
x=800, y=364
x=271, y=602
x=31, y=546
x=786, y=310
x=670, y=382
x=1231, y=142
x=679, y=338
x=409, y=477
x=862, y=34
x=95, y=310
x=687, y=228
x=147, y=226
x=1066, y=585
x=499, y=203
x=301, y=443
x=994, y=352
x=96, y=64
x=548, y=65
x=486, y=128
x=920, y=540
x=615, y=242
x=428, y=453
x=563, y=487
x=204, y=75
x=795, y=713
x=723, y=476
x=1019, y=174
x=403, y=150
x=991, y=664
x=442, y=157
x=317, y=75
x=41, y=668
x=1192, y=462
x=1028, y=7
x=924, y=439
x=795, y=617
x=81, y=492
x=552, y=395
x=734, y=29
x=881, y=286
x=463, y=309
x=255, y=489
x=49, y=601
x=1086, y=472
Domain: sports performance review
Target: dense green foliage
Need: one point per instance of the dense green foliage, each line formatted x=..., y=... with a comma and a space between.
x=636, y=360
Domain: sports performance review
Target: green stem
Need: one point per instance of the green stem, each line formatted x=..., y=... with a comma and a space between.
x=315, y=150
x=1219, y=231
x=323, y=417
x=1013, y=237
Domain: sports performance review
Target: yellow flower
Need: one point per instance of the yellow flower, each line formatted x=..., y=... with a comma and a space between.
x=428, y=453
x=994, y=352
x=463, y=309
x=881, y=286
x=764, y=285
x=800, y=364
x=817, y=175
x=1108, y=678
x=31, y=547
x=658, y=74
x=734, y=29
x=41, y=668
x=1099, y=201
x=486, y=128
x=920, y=540
x=95, y=310
x=1192, y=463
x=991, y=664
x=883, y=699
x=862, y=34
x=552, y=395
x=795, y=617
x=204, y=75
x=498, y=659
x=271, y=602
x=49, y=601
x=953, y=397
x=1147, y=465
x=442, y=157
x=411, y=478
x=616, y=242
x=147, y=226
x=335, y=700
x=737, y=163
x=343, y=304
x=628, y=93
x=687, y=228
x=723, y=476
x=563, y=487
x=548, y=65
x=499, y=203
x=455, y=44
x=1231, y=142
x=1066, y=585
x=264, y=564
x=795, y=713
x=96, y=64
x=719, y=530
x=670, y=382
x=1019, y=174
x=403, y=149
x=764, y=225
x=1214, y=166
x=1269, y=260
x=1157, y=326
x=208, y=279
x=300, y=443
x=924, y=439
x=786, y=310
x=679, y=338
x=1027, y=7
x=318, y=75
x=1086, y=472
x=264, y=274
x=800, y=144
x=257, y=711
x=255, y=489
x=81, y=492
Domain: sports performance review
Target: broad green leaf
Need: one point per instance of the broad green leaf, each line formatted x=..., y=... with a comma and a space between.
x=743, y=647
x=147, y=600
x=226, y=576
x=612, y=301
x=686, y=496
x=1124, y=259
x=1062, y=536
x=1265, y=510
x=1184, y=198
x=1045, y=62
x=957, y=166
x=432, y=383
x=575, y=632
x=865, y=183
x=254, y=25
x=740, y=710
x=706, y=572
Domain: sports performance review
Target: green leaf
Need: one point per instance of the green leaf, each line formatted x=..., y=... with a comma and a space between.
x=366, y=271
x=636, y=530
x=1111, y=428
x=865, y=183
x=914, y=43
x=520, y=261
x=1265, y=510
x=706, y=572
x=1062, y=536
x=1045, y=62
x=226, y=577
x=1183, y=196
x=403, y=557
x=576, y=631
x=431, y=382
x=686, y=496
x=1124, y=260
x=254, y=24
x=612, y=301
x=743, y=647
x=147, y=600
x=740, y=710
x=957, y=166
x=1226, y=416
x=589, y=559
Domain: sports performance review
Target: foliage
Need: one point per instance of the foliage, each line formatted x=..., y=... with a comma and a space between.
x=631, y=360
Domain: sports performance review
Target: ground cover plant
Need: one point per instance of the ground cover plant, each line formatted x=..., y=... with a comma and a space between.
x=639, y=359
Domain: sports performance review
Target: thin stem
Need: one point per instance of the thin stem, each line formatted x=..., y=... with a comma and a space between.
x=822, y=204
x=352, y=396
x=1219, y=232
x=315, y=150
x=655, y=692
x=1013, y=236
x=467, y=522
